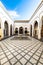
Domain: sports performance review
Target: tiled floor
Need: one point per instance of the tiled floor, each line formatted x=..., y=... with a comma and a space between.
x=21, y=52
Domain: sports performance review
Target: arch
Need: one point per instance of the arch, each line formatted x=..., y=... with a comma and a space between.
x=36, y=29
x=30, y=30
x=5, y=29
x=16, y=31
x=21, y=30
x=26, y=30
x=11, y=29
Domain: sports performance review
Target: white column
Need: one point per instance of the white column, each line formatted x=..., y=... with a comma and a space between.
x=9, y=30
x=12, y=30
x=32, y=31
x=39, y=30
x=2, y=27
x=39, y=34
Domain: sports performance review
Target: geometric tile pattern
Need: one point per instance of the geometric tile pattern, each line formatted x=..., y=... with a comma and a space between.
x=21, y=52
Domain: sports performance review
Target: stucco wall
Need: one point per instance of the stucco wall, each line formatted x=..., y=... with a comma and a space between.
x=4, y=16
x=37, y=16
x=1, y=34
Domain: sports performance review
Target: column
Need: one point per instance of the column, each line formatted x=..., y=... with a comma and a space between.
x=9, y=30
x=39, y=34
x=32, y=31
x=39, y=30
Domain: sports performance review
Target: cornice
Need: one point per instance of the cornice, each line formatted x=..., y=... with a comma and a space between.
x=23, y=21
x=2, y=6
x=40, y=5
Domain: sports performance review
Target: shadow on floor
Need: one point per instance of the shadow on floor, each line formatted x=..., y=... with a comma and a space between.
x=20, y=38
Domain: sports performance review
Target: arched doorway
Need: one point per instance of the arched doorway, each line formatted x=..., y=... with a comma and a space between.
x=16, y=31
x=42, y=29
x=36, y=29
x=26, y=31
x=5, y=29
x=21, y=30
x=10, y=29
x=31, y=30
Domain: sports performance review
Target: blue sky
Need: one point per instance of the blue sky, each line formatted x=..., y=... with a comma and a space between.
x=21, y=9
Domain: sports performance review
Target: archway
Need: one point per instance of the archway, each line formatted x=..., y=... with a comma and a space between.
x=26, y=31
x=21, y=30
x=5, y=29
x=36, y=29
x=10, y=29
x=42, y=29
x=16, y=31
x=31, y=30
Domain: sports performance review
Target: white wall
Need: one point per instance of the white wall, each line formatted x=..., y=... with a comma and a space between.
x=4, y=16
x=22, y=24
x=37, y=17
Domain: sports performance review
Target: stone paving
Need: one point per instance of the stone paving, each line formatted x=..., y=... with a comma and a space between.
x=21, y=52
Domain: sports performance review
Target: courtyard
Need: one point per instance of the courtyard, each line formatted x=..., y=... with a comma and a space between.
x=21, y=52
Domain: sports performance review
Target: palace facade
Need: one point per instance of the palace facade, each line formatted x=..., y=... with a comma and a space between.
x=6, y=23
x=32, y=27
